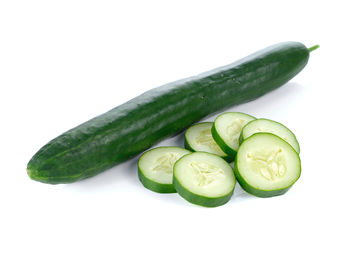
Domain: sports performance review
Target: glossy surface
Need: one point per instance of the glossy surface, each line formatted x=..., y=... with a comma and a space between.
x=136, y=125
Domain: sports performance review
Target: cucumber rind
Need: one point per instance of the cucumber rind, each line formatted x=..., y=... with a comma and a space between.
x=227, y=149
x=220, y=141
x=255, y=191
x=151, y=184
x=188, y=146
x=241, y=139
x=198, y=199
x=154, y=186
x=295, y=146
x=261, y=192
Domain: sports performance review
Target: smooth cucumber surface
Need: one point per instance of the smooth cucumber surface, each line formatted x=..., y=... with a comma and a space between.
x=155, y=168
x=266, y=165
x=270, y=126
x=136, y=125
x=204, y=179
x=198, y=137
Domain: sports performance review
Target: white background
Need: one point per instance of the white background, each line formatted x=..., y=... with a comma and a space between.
x=64, y=62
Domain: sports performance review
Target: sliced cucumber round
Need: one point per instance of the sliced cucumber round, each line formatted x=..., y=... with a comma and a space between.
x=227, y=129
x=266, y=165
x=204, y=179
x=155, y=168
x=269, y=126
x=198, y=138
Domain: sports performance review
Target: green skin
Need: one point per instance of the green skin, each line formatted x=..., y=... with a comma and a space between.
x=151, y=184
x=200, y=199
x=255, y=191
x=189, y=147
x=241, y=137
x=154, y=186
x=217, y=138
x=136, y=125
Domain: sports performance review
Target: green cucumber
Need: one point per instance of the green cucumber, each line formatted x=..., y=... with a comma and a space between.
x=198, y=138
x=266, y=165
x=136, y=125
x=269, y=126
x=155, y=168
x=204, y=179
x=227, y=129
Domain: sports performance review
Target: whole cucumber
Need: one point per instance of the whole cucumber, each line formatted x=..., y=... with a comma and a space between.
x=136, y=125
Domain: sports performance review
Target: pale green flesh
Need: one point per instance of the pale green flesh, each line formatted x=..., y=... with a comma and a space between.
x=205, y=174
x=199, y=138
x=157, y=164
x=266, y=162
x=269, y=126
x=229, y=126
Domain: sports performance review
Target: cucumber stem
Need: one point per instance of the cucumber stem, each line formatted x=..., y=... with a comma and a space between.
x=313, y=48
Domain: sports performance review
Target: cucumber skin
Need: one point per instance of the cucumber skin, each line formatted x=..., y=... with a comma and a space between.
x=241, y=138
x=150, y=184
x=153, y=186
x=187, y=146
x=258, y=192
x=201, y=200
x=227, y=149
x=136, y=125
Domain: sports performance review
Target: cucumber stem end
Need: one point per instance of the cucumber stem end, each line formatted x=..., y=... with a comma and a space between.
x=313, y=48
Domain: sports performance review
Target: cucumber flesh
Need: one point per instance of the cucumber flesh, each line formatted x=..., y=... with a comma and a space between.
x=155, y=168
x=198, y=137
x=270, y=126
x=204, y=179
x=266, y=165
x=227, y=129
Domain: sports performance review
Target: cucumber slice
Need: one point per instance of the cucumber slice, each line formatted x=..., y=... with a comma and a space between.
x=269, y=126
x=155, y=168
x=198, y=138
x=204, y=179
x=227, y=129
x=266, y=165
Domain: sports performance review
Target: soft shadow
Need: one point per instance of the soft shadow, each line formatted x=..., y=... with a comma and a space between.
x=240, y=195
x=174, y=198
x=179, y=139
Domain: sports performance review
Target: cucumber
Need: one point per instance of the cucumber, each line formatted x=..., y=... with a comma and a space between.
x=198, y=138
x=155, y=168
x=269, y=126
x=266, y=165
x=136, y=125
x=227, y=128
x=204, y=179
